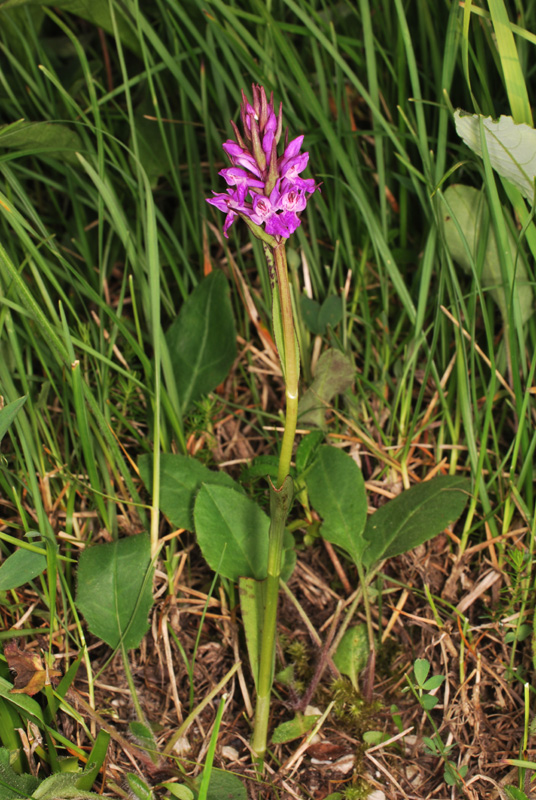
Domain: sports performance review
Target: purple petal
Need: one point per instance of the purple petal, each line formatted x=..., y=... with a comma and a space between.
x=293, y=200
x=267, y=140
x=232, y=148
x=233, y=175
x=282, y=224
x=221, y=201
x=229, y=219
x=262, y=206
x=291, y=168
x=271, y=122
x=293, y=148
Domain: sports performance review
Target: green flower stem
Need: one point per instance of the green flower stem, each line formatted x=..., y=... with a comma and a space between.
x=280, y=503
x=290, y=360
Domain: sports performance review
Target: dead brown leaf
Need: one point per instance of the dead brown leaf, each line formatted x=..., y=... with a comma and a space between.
x=31, y=673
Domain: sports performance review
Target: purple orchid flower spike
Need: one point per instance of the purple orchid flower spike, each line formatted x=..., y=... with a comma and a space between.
x=266, y=190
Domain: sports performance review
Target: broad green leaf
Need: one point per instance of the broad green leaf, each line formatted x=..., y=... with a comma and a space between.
x=261, y=467
x=317, y=317
x=139, y=788
x=429, y=701
x=307, y=449
x=514, y=793
x=433, y=683
x=42, y=138
x=95, y=11
x=416, y=515
x=144, y=738
x=333, y=375
x=25, y=705
x=179, y=790
x=20, y=567
x=225, y=786
x=8, y=414
x=337, y=491
x=352, y=654
x=511, y=147
x=114, y=590
x=62, y=786
x=201, y=341
x=310, y=310
x=232, y=532
x=181, y=478
x=469, y=209
x=12, y=785
x=330, y=312
x=421, y=668
x=294, y=728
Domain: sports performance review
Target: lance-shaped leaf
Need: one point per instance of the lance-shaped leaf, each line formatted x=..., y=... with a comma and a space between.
x=201, y=340
x=232, y=532
x=181, y=477
x=414, y=517
x=115, y=590
x=337, y=491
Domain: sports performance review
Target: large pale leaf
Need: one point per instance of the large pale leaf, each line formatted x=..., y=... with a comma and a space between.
x=511, y=147
x=232, y=532
x=416, y=515
x=463, y=227
x=337, y=491
x=114, y=590
x=181, y=478
x=42, y=138
x=201, y=340
x=333, y=375
x=8, y=414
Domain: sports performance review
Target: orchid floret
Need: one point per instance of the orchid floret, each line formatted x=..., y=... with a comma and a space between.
x=266, y=189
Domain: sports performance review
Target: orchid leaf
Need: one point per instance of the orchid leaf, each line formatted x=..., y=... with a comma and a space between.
x=115, y=590
x=201, y=341
x=415, y=516
x=337, y=491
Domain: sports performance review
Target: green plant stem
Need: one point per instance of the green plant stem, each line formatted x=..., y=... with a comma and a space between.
x=290, y=360
x=280, y=501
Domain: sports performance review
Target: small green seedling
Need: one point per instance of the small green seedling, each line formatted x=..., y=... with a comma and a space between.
x=422, y=688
